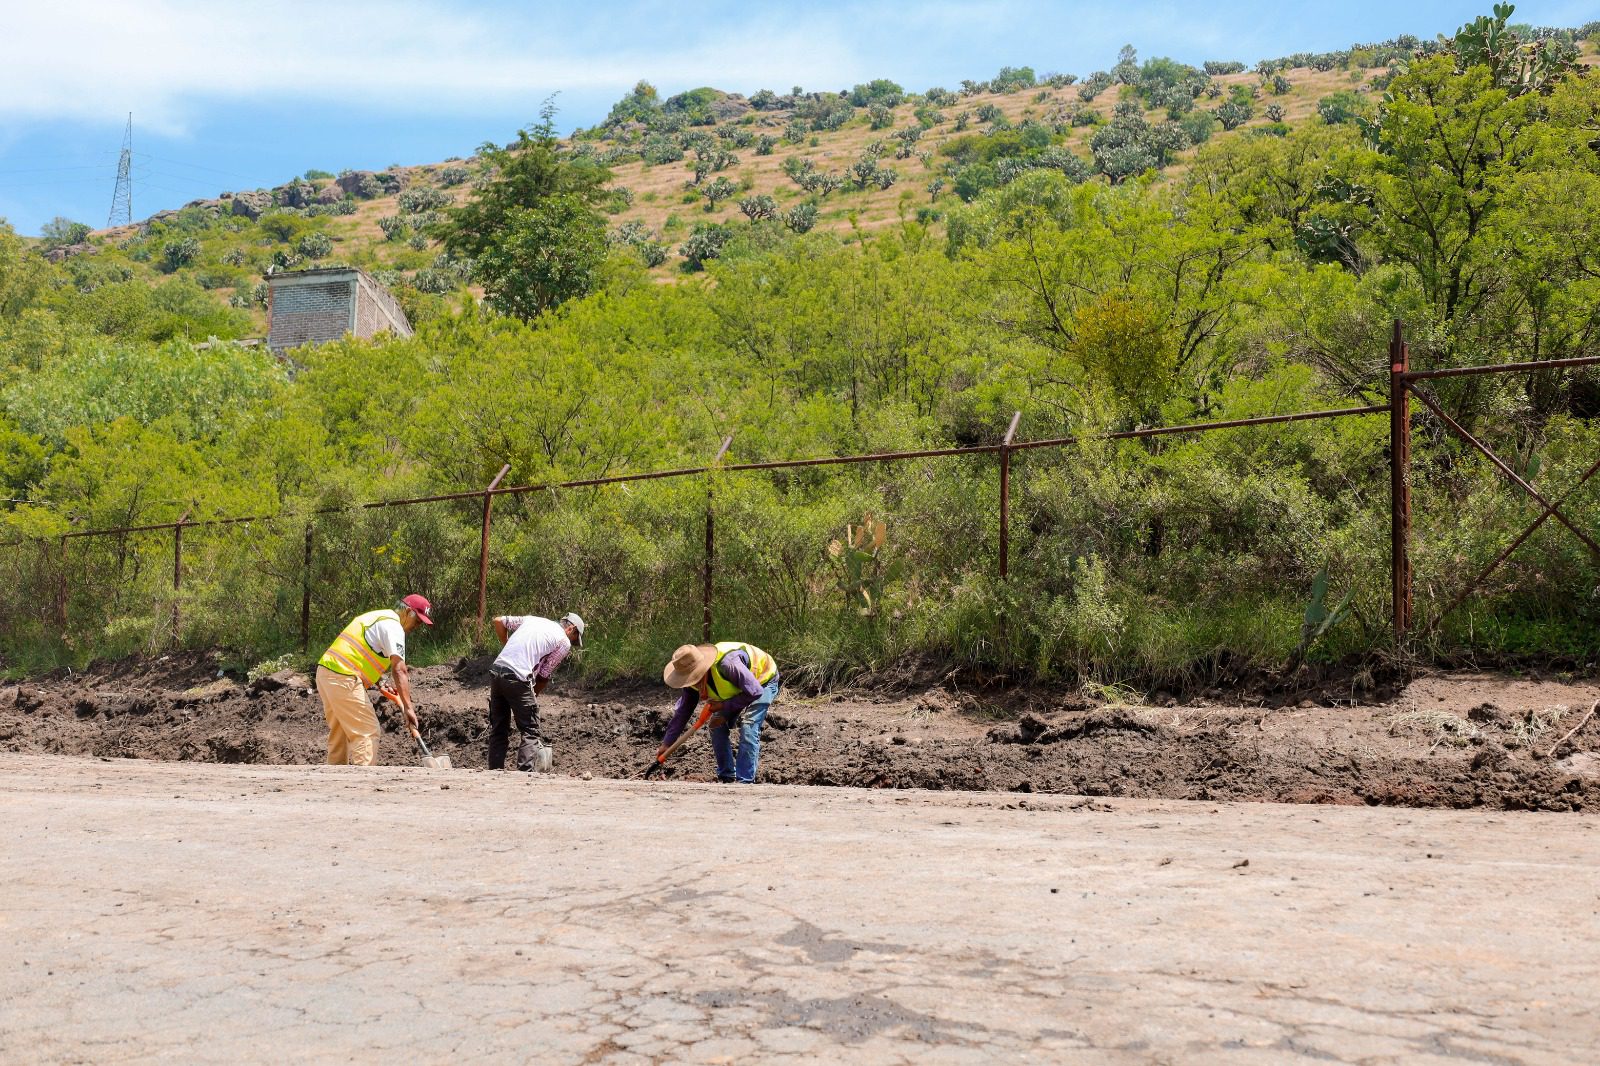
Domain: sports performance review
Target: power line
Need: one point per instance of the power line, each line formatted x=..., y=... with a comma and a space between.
x=196, y=166
x=122, y=195
x=54, y=170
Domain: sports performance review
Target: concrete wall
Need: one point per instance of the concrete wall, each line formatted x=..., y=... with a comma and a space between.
x=377, y=310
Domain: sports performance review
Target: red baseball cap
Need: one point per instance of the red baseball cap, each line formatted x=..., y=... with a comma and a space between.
x=420, y=605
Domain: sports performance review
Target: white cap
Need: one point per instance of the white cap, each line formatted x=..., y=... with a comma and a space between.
x=572, y=619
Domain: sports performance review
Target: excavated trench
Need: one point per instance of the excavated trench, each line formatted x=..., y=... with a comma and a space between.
x=1446, y=741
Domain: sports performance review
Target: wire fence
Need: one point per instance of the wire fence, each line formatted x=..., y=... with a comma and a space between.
x=765, y=549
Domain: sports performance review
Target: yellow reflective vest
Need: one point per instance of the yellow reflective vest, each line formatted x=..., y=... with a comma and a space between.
x=716, y=688
x=351, y=654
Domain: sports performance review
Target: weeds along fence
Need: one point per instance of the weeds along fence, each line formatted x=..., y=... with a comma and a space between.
x=1011, y=554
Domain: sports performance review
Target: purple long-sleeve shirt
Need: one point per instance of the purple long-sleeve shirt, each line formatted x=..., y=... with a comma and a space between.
x=735, y=666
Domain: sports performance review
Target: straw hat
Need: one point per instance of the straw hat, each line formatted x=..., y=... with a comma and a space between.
x=689, y=664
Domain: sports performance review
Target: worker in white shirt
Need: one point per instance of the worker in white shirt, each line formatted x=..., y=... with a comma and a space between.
x=532, y=649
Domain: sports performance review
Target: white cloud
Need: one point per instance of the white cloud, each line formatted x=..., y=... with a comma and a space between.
x=167, y=60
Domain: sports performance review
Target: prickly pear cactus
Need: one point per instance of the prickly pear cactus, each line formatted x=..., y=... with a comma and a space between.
x=863, y=570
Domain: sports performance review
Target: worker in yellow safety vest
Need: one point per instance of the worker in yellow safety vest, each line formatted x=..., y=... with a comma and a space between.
x=372, y=644
x=738, y=682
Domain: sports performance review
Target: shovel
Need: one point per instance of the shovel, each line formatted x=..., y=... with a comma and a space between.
x=660, y=761
x=429, y=759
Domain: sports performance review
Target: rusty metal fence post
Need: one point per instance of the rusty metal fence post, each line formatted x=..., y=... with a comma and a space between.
x=1399, y=484
x=483, y=549
x=61, y=591
x=177, y=574
x=711, y=544
x=1005, y=496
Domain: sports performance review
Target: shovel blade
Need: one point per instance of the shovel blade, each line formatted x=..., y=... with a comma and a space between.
x=437, y=762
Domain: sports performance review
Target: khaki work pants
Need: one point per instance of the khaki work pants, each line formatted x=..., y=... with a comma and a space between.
x=353, y=728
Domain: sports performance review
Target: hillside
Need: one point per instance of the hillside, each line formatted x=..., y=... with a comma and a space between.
x=918, y=155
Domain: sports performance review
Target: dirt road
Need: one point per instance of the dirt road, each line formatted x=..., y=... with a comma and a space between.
x=246, y=913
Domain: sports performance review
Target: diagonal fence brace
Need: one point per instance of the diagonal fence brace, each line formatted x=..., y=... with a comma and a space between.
x=1510, y=474
x=1477, y=582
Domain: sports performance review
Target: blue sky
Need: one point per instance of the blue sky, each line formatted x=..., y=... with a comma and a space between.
x=233, y=96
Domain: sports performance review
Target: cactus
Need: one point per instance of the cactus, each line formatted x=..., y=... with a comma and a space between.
x=759, y=208
x=1319, y=619
x=863, y=571
x=718, y=191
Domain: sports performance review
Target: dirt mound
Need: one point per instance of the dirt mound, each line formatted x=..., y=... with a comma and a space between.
x=1455, y=741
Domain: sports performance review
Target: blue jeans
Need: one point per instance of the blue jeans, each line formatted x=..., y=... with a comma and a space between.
x=750, y=720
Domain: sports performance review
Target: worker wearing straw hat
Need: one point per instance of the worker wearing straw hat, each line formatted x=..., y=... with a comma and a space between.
x=739, y=682
x=372, y=644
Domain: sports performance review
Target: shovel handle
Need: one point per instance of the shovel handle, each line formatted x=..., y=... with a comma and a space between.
x=423, y=744
x=660, y=761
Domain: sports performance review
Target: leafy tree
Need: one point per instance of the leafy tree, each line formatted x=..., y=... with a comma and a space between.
x=532, y=231
x=1126, y=71
x=640, y=105
x=543, y=255
x=1341, y=106
x=880, y=91
x=1450, y=144
x=1120, y=339
x=61, y=232
x=1198, y=126
x=1012, y=79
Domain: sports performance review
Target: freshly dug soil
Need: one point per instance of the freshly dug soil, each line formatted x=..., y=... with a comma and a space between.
x=1449, y=740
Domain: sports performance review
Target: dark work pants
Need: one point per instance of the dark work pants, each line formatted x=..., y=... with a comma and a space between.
x=508, y=697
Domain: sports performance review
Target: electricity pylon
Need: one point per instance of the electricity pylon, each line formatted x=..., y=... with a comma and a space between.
x=122, y=198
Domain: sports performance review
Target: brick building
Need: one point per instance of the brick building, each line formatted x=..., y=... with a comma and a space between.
x=313, y=306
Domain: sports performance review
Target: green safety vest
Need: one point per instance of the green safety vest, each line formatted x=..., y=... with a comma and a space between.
x=716, y=689
x=351, y=654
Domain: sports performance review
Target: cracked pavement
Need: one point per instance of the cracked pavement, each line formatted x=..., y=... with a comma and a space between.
x=158, y=911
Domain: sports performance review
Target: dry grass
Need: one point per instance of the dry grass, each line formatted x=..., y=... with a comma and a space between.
x=1442, y=726
x=1535, y=724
